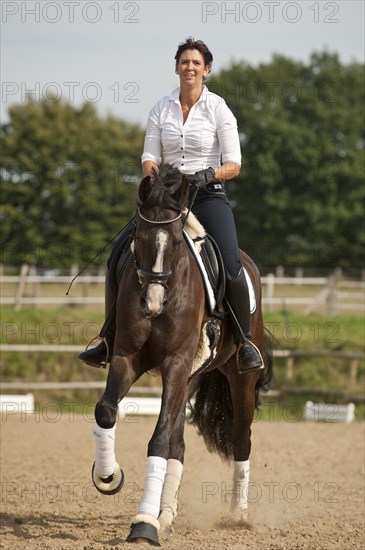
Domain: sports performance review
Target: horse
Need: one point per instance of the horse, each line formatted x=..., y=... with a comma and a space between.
x=160, y=312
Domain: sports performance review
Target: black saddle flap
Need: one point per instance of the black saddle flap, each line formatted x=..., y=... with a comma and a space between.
x=214, y=267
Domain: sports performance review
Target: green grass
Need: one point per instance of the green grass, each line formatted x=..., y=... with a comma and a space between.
x=316, y=332
x=77, y=326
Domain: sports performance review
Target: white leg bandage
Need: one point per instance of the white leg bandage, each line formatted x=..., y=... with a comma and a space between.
x=154, y=480
x=104, y=451
x=170, y=491
x=241, y=478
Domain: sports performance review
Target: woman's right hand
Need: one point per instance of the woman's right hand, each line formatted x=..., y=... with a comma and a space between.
x=148, y=166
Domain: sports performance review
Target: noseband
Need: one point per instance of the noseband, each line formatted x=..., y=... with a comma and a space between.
x=154, y=277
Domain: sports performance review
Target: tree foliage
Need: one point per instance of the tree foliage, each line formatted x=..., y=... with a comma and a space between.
x=299, y=199
x=67, y=182
x=67, y=175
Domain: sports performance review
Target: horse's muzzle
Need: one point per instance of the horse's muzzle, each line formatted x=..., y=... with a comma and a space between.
x=154, y=285
x=153, y=300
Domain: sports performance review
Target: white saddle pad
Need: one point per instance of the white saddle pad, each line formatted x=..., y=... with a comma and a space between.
x=207, y=284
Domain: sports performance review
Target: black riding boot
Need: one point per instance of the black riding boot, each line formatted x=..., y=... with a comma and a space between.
x=101, y=355
x=248, y=356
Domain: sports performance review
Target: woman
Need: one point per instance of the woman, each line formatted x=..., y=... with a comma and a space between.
x=193, y=129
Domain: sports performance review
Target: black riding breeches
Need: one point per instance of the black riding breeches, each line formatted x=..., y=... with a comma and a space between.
x=212, y=209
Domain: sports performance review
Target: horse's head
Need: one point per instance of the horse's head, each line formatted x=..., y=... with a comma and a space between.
x=158, y=234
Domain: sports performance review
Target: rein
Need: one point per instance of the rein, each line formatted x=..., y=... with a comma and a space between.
x=190, y=206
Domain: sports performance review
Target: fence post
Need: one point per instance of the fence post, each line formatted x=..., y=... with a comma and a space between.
x=270, y=290
x=289, y=369
x=299, y=272
x=331, y=295
x=20, y=290
x=354, y=363
x=36, y=287
x=74, y=269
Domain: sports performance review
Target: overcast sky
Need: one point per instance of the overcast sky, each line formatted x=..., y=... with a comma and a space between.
x=120, y=55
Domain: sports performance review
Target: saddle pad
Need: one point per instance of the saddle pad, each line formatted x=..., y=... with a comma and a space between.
x=251, y=292
x=208, y=286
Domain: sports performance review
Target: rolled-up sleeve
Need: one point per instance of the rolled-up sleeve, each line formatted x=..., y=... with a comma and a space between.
x=152, y=141
x=227, y=132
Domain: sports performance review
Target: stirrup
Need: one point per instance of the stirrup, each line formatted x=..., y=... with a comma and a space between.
x=103, y=364
x=102, y=339
x=245, y=370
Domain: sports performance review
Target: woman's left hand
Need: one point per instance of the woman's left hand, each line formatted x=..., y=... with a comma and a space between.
x=201, y=179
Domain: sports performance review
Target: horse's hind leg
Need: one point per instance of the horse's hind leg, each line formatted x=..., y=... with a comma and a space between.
x=243, y=401
x=107, y=476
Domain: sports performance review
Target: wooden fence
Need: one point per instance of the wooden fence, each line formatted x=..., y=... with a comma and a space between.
x=330, y=295
x=292, y=359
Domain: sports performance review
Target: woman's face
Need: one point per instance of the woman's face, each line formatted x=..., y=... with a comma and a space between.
x=191, y=68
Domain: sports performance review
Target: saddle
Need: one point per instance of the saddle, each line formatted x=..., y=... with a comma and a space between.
x=210, y=263
x=211, y=266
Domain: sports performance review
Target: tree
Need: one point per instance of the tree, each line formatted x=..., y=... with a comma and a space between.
x=299, y=197
x=67, y=175
x=68, y=182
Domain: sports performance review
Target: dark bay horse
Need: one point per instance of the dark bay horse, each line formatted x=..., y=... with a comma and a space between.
x=161, y=309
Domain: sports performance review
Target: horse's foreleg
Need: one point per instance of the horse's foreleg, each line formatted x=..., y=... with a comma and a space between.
x=161, y=466
x=107, y=476
x=169, y=497
x=243, y=400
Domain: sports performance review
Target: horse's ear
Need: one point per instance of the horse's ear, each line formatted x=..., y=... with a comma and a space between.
x=144, y=189
x=184, y=190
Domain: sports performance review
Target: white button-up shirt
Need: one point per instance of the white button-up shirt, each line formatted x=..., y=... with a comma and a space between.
x=208, y=136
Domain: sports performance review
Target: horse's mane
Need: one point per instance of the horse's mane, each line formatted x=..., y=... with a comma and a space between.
x=164, y=191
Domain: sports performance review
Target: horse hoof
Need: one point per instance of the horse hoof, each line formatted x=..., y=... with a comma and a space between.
x=238, y=518
x=110, y=485
x=166, y=531
x=143, y=532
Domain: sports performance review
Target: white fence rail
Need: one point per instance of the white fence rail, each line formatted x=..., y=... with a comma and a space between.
x=351, y=360
x=330, y=294
x=150, y=406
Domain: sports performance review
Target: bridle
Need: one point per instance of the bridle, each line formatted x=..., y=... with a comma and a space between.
x=153, y=277
x=139, y=213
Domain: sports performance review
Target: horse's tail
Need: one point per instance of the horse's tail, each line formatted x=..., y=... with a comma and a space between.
x=211, y=406
x=212, y=412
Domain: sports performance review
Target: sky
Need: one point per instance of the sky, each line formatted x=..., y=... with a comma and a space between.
x=120, y=54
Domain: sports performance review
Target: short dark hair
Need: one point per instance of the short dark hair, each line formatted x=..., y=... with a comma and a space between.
x=191, y=44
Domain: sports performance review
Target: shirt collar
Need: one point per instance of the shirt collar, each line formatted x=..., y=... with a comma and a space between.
x=174, y=96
